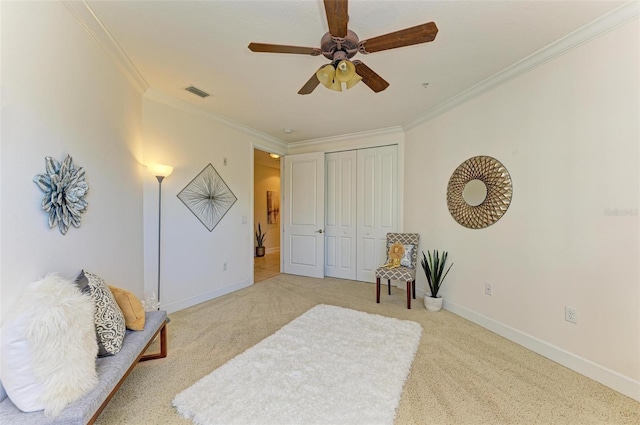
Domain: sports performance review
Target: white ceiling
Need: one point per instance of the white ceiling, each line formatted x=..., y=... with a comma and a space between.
x=174, y=44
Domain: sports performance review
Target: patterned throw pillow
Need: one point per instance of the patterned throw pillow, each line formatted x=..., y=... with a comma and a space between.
x=406, y=260
x=109, y=320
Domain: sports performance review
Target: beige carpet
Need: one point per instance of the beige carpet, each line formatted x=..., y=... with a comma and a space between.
x=462, y=373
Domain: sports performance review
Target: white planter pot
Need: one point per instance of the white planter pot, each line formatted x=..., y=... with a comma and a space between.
x=432, y=304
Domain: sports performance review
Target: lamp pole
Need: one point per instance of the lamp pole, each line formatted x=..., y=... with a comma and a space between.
x=160, y=178
x=160, y=171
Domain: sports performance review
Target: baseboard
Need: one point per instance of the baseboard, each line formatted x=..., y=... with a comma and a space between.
x=209, y=295
x=610, y=378
x=272, y=250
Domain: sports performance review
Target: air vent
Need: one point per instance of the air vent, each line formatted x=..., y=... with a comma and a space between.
x=197, y=91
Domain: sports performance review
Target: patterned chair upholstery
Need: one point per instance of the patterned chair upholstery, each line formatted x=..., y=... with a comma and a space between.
x=407, y=271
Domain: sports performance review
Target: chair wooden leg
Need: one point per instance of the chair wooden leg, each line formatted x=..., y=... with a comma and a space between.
x=409, y=294
x=414, y=289
x=389, y=285
x=378, y=290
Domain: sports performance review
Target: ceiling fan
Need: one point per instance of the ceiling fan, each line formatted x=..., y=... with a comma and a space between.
x=340, y=44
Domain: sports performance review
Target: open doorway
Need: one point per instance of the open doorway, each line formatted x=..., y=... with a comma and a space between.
x=266, y=214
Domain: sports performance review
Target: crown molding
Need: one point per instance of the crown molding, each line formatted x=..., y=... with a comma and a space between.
x=617, y=17
x=96, y=29
x=347, y=137
x=271, y=142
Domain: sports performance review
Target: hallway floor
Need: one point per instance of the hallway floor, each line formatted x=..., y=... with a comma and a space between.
x=266, y=267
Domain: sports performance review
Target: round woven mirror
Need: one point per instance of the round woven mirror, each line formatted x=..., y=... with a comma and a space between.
x=479, y=192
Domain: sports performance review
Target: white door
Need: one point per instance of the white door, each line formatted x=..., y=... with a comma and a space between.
x=377, y=194
x=340, y=216
x=303, y=215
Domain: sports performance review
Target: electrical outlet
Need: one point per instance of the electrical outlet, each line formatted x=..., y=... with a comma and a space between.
x=224, y=266
x=570, y=314
x=487, y=289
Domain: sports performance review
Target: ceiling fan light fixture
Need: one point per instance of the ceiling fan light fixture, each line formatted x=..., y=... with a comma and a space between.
x=336, y=85
x=353, y=81
x=345, y=71
x=325, y=75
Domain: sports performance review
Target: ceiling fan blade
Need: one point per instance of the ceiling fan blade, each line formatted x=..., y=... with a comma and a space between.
x=337, y=16
x=310, y=85
x=279, y=48
x=406, y=37
x=370, y=78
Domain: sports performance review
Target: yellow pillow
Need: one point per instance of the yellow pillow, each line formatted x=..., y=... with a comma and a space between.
x=131, y=308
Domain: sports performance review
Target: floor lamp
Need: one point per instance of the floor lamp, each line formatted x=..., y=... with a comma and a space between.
x=160, y=171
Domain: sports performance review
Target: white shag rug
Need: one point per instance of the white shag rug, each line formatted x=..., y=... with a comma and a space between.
x=331, y=365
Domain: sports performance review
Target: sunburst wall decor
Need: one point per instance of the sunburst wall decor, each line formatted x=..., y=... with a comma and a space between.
x=498, y=198
x=208, y=197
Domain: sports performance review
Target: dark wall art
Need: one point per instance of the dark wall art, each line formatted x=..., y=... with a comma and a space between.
x=208, y=197
x=273, y=207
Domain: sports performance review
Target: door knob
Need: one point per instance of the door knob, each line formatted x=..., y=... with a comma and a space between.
x=319, y=231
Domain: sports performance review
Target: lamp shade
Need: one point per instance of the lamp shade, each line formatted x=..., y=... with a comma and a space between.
x=160, y=170
x=355, y=80
x=345, y=71
x=337, y=85
x=325, y=75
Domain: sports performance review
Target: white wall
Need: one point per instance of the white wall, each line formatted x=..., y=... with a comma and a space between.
x=192, y=257
x=266, y=178
x=568, y=132
x=62, y=94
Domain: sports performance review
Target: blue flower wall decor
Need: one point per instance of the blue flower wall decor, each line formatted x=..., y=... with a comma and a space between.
x=64, y=192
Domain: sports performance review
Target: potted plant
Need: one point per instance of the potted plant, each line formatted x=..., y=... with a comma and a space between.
x=260, y=240
x=433, y=268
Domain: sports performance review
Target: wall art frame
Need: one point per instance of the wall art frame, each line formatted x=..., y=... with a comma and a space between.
x=208, y=197
x=273, y=207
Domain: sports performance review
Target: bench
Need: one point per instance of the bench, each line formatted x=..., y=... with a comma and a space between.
x=112, y=371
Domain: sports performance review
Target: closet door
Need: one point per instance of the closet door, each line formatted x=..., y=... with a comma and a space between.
x=340, y=215
x=377, y=214
x=303, y=215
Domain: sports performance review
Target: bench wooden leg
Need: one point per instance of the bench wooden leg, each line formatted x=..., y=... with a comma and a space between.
x=163, y=347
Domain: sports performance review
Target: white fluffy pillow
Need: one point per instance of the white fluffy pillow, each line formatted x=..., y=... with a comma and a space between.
x=49, y=346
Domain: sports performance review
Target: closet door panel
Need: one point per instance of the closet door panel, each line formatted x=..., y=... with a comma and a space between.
x=377, y=193
x=340, y=226
x=388, y=189
x=366, y=188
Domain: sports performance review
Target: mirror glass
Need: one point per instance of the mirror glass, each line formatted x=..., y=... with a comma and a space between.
x=475, y=192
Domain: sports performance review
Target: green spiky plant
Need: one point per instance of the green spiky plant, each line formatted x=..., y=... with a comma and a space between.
x=434, y=267
x=260, y=236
